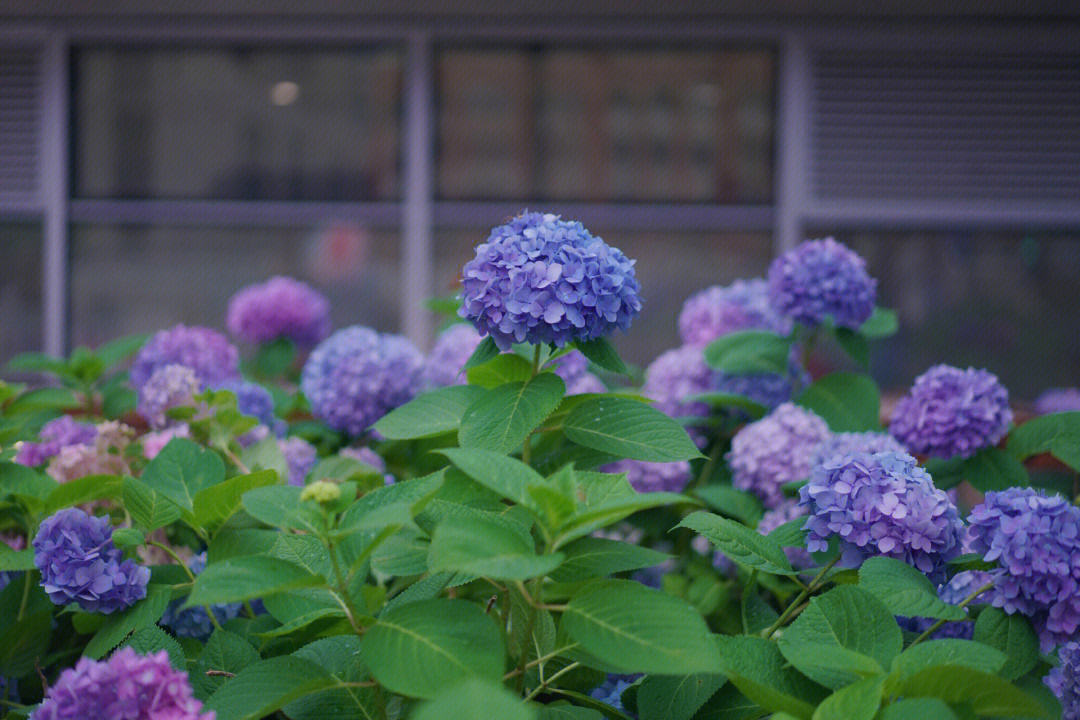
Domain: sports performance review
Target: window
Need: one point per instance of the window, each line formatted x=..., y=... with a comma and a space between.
x=20, y=288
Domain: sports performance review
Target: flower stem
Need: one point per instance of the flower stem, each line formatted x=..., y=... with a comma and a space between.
x=543, y=685
x=180, y=561
x=814, y=585
x=936, y=626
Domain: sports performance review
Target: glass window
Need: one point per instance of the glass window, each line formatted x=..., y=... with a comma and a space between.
x=236, y=123
x=605, y=124
x=127, y=279
x=20, y=288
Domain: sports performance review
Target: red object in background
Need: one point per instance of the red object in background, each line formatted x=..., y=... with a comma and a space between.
x=338, y=252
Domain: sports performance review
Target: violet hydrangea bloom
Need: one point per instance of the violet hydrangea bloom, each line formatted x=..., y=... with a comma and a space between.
x=854, y=442
x=126, y=686
x=822, y=279
x=719, y=310
x=1058, y=400
x=766, y=389
x=952, y=413
x=54, y=436
x=368, y=457
x=300, y=455
x=674, y=376
x=1035, y=540
x=106, y=454
x=775, y=450
x=452, y=349
x=207, y=352
x=357, y=375
x=539, y=279
x=882, y=504
x=79, y=563
x=281, y=307
x=1064, y=680
x=786, y=512
x=169, y=387
x=573, y=368
x=194, y=622
x=653, y=476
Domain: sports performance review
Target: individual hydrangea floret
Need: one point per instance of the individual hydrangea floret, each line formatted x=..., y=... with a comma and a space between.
x=882, y=504
x=653, y=476
x=719, y=310
x=79, y=563
x=822, y=279
x=357, y=375
x=194, y=622
x=951, y=412
x=452, y=349
x=1064, y=680
x=1058, y=400
x=207, y=352
x=54, y=436
x=767, y=454
x=300, y=455
x=281, y=307
x=126, y=686
x=539, y=279
x=171, y=386
x=1035, y=540
x=854, y=442
x=787, y=511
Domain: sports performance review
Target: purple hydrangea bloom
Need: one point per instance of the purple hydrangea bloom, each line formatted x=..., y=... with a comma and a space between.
x=357, y=375
x=155, y=442
x=1064, y=680
x=253, y=400
x=787, y=511
x=539, y=279
x=194, y=622
x=369, y=457
x=169, y=387
x=766, y=389
x=822, y=279
x=767, y=454
x=952, y=413
x=281, y=307
x=953, y=592
x=1035, y=540
x=300, y=455
x=209, y=353
x=882, y=504
x=674, y=376
x=126, y=686
x=718, y=310
x=573, y=368
x=1058, y=400
x=854, y=442
x=653, y=476
x=78, y=562
x=452, y=349
x=55, y=435
x=611, y=690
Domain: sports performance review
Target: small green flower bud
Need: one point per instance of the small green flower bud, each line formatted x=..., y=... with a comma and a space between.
x=321, y=491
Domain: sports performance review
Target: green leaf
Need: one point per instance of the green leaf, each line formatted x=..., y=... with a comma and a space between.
x=485, y=351
x=240, y=543
x=144, y=613
x=15, y=560
x=984, y=694
x=882, y=323
x=601, y=352
x=47, y=398
x=153, y=639
x=225, y=652
x=181, y=470
x=390, y=505
x=430, y=414
x=921, y=708
x=244, y=578
x=267, y=685
x=592, y=557
x=847, y=402
x=340, y=656
x=628, y=428
x=949, y=651
x=1012, y=635
x=638, y=629
x=149, y=509
x=790, y=534
x=600, y=512
x=217, y=503
x=421, y=648
x=728, y=703
x=995, y=469
x=1039, y=434
x=266, y=454
x=969, y=561
x=738, y=504
x=678, y=697
x=757, y=668
x=480, y=546
x=37, y=362
x=127, y=537
x=475, y=699
x=506, y=476
x=568, y=712
x=1067, y=450
x=25, y=644
x=833, y=662
x=503, y=418
x=858, y=701
x=947, y=474
x=847, y=617
x=280, y=506
x=749, y=352
x=904, y=590
x=747, y=547
x=121, y=348
x=722, y=401
x=855, y=345
x=83, y=490
x=505, y=368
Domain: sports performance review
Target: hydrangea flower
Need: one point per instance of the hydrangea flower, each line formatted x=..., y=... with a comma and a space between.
x=952, y=412
x=194, y=622
x=1058, y=400
x=369, y=457
x=719, y=310
x=767, y=454
x=854, y=442
x=281, y=307
x=953, y=592
x=155, y=442
x=170, y=386
x=539, y=279
x=611, y=690
x=723, y=564
x=766, y=389
x=207, y=352
x=104, y=456
x=786, y=512
x=301, y=457
x=822, y=279
x=1064, y=680
x=452, y=349
x=653, y=476
x=126, y=686
x=79, y=563
x=54, y=436
x=357, y=375
x=882, y=504
x=674, y=376
x=1035, y=540
x=573, y=368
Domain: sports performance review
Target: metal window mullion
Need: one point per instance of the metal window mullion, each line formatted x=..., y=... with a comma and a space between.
x=792, y=140
x=53, y=191
x=417, y=250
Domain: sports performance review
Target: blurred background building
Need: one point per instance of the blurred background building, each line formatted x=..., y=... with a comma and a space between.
x=156, y=156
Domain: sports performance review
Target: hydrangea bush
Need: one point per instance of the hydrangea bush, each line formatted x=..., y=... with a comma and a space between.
x=516, y=525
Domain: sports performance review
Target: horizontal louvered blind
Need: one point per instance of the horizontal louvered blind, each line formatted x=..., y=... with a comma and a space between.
x=20, y=118
x=945, y=125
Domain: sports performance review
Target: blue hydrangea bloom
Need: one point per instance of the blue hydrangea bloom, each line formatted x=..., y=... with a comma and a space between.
x=281, y=307
x=767, y=389
x=300, y=455
x=207, y=352
x=452, y=349
x=1035, y=540
x=854, y=442
x=171, y=386
x=822, y=279
x=357, y=375
x=194, y=622
x=79, y=563
x=951, y=412
x=539, y=279
x=1064, y=680
x=253, y=400
x=653, y=476
x=881, y=505
x=719, y=310
x=611, y=690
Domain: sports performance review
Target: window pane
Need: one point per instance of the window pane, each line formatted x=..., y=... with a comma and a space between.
x=1006, y=302
x=606, y=124
x=137, y=279
x=20, y=288
x=235, y=123
x=669, y=266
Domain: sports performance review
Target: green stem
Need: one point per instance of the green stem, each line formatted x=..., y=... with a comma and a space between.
x=814, y=585
x=343, y=588
x=180, y=561
x=709, y=466
x=936, y=626
x=543, y=685
x=25, y=596
x=536, y=360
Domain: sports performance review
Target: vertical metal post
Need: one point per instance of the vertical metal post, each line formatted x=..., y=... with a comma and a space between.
x=793, y=139
x=417, y=250
x=53, y=193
